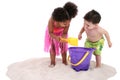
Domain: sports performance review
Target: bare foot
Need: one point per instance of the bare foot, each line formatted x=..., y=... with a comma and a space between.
x=97, y=66
x=52, y=65
x=65, y=62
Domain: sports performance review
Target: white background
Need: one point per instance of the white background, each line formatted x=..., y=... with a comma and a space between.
x=23, y=23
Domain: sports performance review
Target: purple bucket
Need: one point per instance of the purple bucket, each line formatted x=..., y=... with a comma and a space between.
x=80, y=57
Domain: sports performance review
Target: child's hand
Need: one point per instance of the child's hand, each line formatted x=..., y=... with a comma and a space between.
x=57, y=38
x=79, y=36
x=110, y=44
x=63, y=40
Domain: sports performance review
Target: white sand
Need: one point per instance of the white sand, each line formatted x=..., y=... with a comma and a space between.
x=37, y=69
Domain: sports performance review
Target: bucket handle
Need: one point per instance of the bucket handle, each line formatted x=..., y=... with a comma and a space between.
x=78, y=63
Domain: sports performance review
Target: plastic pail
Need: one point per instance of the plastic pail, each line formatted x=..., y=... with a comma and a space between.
x=80, y=57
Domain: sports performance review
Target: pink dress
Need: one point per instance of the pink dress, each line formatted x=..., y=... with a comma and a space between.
x=58, y=47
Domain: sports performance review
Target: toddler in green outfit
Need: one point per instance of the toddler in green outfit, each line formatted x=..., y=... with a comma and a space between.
x=94, y=34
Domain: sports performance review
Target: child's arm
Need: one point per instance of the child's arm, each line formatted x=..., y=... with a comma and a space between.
x=65, y=32
x=64, y=35
x=107, y=37
x=80, y=33
x=50, y=28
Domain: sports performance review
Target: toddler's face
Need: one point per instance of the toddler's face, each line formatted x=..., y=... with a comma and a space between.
x=64, y=24
x=89, y=25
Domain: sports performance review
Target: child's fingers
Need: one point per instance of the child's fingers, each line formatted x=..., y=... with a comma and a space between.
x=63, y=39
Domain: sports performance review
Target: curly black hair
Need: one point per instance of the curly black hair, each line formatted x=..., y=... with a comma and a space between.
x=60, y=14
x=67, y=12
x=71, y=8
x=93, y=16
